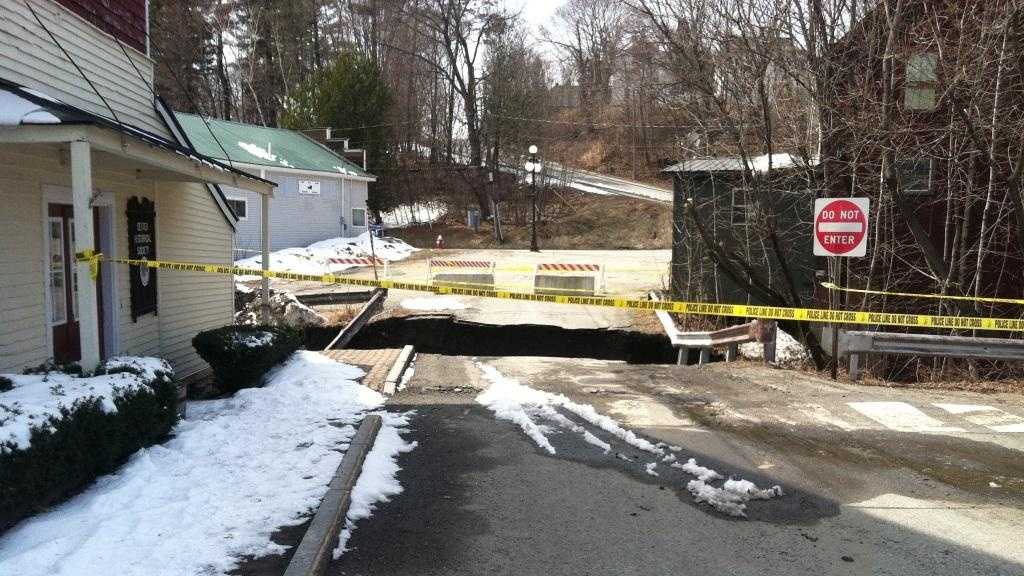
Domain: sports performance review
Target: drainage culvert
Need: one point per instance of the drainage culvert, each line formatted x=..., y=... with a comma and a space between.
x=446, y=335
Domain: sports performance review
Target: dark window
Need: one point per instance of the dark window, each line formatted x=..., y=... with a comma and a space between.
x=359, y=217
x=916, y=176
x=240, y=207
x=740, y=205
x=921, y=83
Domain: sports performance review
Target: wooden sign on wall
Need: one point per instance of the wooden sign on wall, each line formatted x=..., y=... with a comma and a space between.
x=142, y=246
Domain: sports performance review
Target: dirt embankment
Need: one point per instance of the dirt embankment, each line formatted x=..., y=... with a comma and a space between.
x=571, y=221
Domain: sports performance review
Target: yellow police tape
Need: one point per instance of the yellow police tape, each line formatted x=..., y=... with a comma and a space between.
x=699, y=308
x=994, y=300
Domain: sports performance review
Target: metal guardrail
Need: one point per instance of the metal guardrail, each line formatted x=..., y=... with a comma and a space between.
x=858, y=343
x=370, y=309
x=763, y=331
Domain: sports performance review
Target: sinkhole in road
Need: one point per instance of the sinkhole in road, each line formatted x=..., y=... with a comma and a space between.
x=450, y=336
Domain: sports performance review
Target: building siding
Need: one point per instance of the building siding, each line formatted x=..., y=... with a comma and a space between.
x=190, y=226
x=298, y=220
x=29, y=57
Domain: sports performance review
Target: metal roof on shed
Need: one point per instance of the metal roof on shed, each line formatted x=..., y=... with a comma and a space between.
x=271, y=147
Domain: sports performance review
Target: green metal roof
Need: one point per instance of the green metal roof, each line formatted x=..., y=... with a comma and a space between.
x=270, y=147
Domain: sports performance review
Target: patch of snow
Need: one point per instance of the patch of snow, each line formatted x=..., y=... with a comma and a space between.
x=433, y=303
x=650, y=468
x=750, y=490
x=510, y=400
x=378, y=480
x=315, y=258
x=233, y=473
x=788, y=350
x=15, y=110
x=407, y=375
x=258, y=151
x=254, y=340
x=693, y=469
x=410, y=214
x=36, y=398
x=722, y=500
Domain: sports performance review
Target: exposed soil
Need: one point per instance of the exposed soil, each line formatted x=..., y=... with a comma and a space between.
x=573, y=220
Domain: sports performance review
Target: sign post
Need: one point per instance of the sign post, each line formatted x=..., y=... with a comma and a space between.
x=840, y=231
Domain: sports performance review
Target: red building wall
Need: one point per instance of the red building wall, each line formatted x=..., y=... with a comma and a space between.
x=123, y=19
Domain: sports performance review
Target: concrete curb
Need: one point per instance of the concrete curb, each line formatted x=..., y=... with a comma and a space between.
x=314, y=552
x=397, y=369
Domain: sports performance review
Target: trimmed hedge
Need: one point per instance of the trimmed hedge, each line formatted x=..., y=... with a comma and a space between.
x=85, y=442
x=241, y=355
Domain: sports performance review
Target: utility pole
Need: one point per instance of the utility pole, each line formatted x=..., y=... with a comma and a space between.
x=533, y=167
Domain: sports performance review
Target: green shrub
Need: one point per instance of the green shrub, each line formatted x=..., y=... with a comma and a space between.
x=68, y=452
x=241, y=355
x=6, y=385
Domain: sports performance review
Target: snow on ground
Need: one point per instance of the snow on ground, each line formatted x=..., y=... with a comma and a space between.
x=235, y=471
x=35, y=398
x=539, y=414
x=315, y=258
x=787, y=349
x=411, y=214
x=254, y=340
x=408, y=374
x=378, y=480
x=434, y=303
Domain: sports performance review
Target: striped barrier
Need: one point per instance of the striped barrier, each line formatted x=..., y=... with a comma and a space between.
x=559, y=267
x=561, y=277
x=359, y=261
x=455, y=272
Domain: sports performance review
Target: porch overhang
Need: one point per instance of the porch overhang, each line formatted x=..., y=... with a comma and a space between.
x=147, y=160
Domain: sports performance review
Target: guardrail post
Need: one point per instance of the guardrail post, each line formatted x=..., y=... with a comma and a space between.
x=732, y=352
x=770, y=338
x=705, y=355
x=855, y=366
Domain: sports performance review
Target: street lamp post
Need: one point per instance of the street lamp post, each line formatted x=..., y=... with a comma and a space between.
x=533, y=166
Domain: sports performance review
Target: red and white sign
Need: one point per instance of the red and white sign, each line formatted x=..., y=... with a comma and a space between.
x=841, y=226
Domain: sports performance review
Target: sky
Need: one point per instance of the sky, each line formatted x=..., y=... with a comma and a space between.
x=535, y=12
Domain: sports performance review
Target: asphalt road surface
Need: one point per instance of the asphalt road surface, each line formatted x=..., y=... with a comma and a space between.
x=860, y=496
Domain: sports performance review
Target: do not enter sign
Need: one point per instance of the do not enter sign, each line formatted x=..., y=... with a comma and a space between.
x=841, y=226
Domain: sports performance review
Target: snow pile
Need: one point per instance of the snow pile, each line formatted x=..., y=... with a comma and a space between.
x=254, y=340
x=788, y=350
x=412, y=214
x=35, y=399
x=510, y=400
x=434, y=303
x=315, y=258
x=237, y=470
x=537, y=413
x=378, y=480
x=15, y=110
x=732, y=497
x=693, y=469
x=285, y=310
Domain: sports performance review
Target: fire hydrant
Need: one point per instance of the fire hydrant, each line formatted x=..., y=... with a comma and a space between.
x=439, y=243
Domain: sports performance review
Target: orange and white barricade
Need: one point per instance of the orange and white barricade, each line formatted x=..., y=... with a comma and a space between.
x=570, y=278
